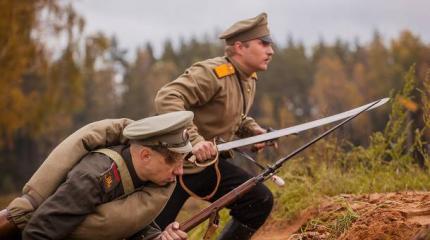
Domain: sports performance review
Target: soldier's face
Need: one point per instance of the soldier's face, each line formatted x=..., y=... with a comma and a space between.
x=256, y=54
x=160, y=172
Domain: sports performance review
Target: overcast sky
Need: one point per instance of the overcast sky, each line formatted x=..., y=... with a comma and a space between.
x=136, y=22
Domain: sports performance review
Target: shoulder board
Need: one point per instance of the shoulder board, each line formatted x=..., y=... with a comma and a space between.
x=224, y=70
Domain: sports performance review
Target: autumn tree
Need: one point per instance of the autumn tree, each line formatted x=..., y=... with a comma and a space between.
x=37, y=92
x=334, y=92
x=136, y=103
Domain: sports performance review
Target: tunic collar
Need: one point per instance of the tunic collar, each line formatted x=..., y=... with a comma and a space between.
x=125, y=152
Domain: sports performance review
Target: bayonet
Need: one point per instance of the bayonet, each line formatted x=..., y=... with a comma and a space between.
x=299, y=128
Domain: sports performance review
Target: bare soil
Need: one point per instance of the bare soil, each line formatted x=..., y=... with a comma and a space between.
x=377, y=216
x=401, y=215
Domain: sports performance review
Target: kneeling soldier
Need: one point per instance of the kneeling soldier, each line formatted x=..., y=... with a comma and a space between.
x=111, y=193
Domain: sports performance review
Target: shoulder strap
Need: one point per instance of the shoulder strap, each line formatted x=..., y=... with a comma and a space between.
x=126, y=181
x=224, y=70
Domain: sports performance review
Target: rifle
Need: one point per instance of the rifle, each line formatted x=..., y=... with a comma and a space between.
x=212, y=210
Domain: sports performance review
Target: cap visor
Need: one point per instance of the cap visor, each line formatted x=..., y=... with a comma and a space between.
x=267, y=39
x=185, y=149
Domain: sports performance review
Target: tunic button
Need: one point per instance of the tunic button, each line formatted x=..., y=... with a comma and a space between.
x=249, y=90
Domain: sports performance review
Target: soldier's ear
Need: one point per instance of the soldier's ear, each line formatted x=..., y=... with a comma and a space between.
x=145, y=154
x=238, y=47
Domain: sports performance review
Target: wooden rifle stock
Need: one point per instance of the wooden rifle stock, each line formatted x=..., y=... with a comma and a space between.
x=219, y=204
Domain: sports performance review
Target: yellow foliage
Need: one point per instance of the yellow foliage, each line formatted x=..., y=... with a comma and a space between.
x=333, y=90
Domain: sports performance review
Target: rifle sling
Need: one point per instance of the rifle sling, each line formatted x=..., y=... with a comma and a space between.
x=213, y=225
x=209, y=196
x=126, y=181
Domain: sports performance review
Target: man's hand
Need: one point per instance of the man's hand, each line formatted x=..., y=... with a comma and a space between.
x=172, y=232
x=204, y=150
x=260, y=146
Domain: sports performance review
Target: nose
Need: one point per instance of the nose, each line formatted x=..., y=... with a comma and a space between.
x=270, y=50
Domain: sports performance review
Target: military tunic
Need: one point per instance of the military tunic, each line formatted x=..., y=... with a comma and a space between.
x=220, y=103
x=93, y=181
x=220, y=100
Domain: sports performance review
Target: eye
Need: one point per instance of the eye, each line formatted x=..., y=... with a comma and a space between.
x=266, y=44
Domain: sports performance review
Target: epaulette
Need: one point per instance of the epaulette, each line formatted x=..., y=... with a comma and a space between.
x=224, y=70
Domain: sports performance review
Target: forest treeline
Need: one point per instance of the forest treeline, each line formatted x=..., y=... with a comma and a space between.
x=48, y=92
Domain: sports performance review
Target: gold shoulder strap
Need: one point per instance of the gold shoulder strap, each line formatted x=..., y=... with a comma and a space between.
x=126, y=181
x=224, y=70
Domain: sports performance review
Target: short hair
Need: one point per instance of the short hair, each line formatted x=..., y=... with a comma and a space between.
x=230, y=51
x=170, y=157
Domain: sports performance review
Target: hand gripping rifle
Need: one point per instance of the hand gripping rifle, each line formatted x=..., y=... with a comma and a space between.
x=212, y=210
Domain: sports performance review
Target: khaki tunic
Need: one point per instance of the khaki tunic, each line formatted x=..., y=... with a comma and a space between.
x=84, y=189
x=220, y=104
x=108, y=220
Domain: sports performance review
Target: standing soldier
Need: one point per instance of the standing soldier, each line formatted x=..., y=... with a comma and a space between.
x=111, y=193
x=220, y=92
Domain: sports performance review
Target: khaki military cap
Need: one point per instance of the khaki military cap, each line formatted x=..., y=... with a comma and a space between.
x=165, y=130
x=248, y=29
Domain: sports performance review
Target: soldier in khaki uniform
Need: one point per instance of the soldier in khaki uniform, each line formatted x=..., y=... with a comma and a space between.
x=220, y=92
x=149, y=162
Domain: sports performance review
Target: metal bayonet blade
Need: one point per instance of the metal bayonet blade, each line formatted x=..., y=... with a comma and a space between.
x=298, y=128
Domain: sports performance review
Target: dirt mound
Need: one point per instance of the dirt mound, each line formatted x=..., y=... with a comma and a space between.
x=356, y=217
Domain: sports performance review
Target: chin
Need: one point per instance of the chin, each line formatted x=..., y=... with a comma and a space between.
x=160, y=183
x=164, y=183
x=263, y=68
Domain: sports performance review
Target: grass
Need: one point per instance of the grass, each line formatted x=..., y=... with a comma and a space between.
x=343, y=222
x=334, y=223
